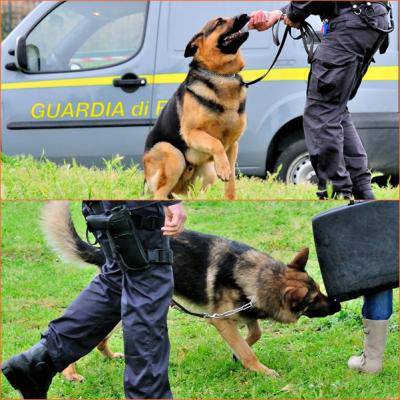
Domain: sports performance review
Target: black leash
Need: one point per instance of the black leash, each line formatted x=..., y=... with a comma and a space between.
x=186, y=311
x=307, y=33
x=281, y=46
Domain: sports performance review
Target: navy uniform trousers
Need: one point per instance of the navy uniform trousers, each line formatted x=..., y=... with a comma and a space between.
x=141, y=300
x=339, y=64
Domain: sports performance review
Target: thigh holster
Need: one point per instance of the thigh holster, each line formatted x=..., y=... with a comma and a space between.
x=121, y=225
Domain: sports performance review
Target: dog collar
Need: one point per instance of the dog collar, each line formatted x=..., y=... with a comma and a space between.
x=212, y=73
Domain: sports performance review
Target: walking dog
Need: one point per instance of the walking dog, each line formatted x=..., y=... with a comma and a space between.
x=215, y=274
x=197, y=133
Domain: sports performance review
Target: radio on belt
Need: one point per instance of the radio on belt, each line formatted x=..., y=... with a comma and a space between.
x=357, y=248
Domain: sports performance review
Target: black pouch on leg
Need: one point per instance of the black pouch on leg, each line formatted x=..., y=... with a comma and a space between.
x=124, y=241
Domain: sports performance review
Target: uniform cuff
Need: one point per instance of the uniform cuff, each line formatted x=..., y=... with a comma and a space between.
x=296, y=17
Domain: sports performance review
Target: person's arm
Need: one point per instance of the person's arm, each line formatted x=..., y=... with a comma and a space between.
x=294, y=13
x=299, y=11
x=175, y=218
x=263, y=20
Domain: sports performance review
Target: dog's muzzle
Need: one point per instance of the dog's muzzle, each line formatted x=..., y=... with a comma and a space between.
x=234, y=38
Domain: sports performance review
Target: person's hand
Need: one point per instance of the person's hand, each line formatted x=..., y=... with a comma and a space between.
x=175, y=218
x=262, y=21
x=290, y=23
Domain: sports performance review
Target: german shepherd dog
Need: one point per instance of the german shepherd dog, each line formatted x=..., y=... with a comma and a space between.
x=216, y=275
x=197, y=133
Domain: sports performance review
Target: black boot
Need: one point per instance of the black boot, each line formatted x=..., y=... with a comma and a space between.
x=342, y=196
x=323, y=195
x=30, y=372
x=364, y=194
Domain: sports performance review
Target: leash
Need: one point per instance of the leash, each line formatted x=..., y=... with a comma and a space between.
x=307, y=33
x=278, y=54
x=223, y=315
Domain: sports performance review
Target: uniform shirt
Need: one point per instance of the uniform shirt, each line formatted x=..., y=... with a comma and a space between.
x=298, y=11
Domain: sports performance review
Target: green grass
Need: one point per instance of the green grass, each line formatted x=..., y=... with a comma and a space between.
x=309, y=356
x=27, y=178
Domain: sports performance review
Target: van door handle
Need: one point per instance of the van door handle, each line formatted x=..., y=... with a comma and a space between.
x=130, y=82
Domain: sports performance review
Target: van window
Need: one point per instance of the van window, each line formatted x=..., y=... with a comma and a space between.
x=80, y=35
x=182, y=12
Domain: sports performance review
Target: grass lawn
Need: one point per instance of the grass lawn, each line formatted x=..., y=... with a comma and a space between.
x=26, y=178
x=310, y=356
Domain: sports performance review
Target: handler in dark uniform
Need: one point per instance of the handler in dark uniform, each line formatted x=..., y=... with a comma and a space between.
x=140, y=297
x=354, y=32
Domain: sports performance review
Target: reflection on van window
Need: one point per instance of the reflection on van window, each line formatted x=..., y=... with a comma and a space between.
x=83, y=35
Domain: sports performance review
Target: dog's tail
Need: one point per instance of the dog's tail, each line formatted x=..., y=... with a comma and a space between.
x=62, y=236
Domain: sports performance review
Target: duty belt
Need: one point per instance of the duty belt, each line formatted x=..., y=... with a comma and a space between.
x=149, y=223
x=119, y=226
x=365, y=11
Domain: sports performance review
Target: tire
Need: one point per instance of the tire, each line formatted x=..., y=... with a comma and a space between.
x=295, y=165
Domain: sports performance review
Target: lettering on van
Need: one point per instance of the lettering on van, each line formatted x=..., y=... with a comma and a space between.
x=93, y=110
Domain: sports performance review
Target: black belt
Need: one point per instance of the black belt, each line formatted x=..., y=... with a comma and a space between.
x=363, y=10
x=149, y=223
x=350, y=4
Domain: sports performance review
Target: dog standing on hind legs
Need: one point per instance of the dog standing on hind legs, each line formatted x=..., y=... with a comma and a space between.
x=197, y=133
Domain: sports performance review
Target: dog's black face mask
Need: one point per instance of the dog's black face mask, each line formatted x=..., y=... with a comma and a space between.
x=322, y=306
x=231, y=41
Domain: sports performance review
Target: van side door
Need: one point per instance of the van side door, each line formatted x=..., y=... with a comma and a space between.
x=86, y=91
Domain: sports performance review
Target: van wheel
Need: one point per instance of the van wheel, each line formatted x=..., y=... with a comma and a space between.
x=296, y=165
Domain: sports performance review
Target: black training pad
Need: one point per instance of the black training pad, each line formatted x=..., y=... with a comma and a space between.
x=357, y=248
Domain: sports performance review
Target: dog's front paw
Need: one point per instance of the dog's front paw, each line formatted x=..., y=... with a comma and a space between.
x=223, y=168
x=269, y=372
x=74, y=377
x=117, y=355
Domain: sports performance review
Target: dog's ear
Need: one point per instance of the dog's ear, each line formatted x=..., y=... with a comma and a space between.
x=294, y=295
x=193, y=45
x=300, y=261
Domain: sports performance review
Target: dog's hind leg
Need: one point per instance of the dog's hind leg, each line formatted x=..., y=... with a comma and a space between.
x=164, y=165
x=71, y=375
x=230, y=333
x=207, y=174
x=254, y=334
x=106, y=351
x=230, y=186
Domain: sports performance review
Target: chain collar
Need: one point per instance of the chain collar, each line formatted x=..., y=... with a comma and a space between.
x=216, y=74
x=223, y=315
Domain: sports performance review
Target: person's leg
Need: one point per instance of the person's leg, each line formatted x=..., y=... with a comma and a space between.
x=376, y=312
x=146, y=298
x=356, y=160
x=323, y=130
x=337, y=69
x=86, y=322
x=378, y=306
